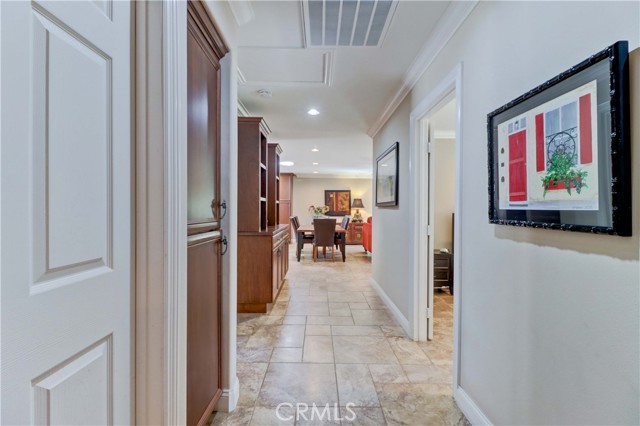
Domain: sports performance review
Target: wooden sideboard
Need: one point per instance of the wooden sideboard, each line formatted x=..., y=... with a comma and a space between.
x=262, y=267
x=354, y=233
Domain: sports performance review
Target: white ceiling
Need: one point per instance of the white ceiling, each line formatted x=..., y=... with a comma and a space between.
x=350, y=86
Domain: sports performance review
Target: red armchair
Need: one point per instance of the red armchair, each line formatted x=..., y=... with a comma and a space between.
x=366, y=235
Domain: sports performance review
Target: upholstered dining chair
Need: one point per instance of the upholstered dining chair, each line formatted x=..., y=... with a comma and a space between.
x=324, y=231
x=339, y=235
x=295, y=222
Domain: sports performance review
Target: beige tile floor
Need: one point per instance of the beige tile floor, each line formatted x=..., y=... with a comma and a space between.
x=329, y=339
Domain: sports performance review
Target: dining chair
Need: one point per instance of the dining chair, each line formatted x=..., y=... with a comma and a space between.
x=306, y=238
x=324, y=236
x=341, y=235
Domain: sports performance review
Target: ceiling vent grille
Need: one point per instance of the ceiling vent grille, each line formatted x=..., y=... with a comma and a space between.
x=331, y=23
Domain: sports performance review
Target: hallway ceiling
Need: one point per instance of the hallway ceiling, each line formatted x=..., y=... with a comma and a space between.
x=349, y=85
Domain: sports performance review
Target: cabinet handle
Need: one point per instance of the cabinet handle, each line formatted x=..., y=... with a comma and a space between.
x=223, y=205
x=226, y=246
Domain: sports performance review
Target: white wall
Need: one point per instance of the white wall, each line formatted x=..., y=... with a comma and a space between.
x=550, y=320
x=392, y=230
x=310, y=191
x=444, y=160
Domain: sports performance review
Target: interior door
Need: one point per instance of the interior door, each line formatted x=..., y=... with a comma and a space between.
x=204, y=233
x=431, y=221
x=65, y=193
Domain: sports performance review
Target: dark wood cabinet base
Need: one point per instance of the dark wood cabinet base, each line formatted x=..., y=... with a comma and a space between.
x=255, y=308
x=354, y=233
x=263, y=262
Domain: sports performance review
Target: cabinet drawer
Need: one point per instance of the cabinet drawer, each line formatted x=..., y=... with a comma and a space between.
x=441, y=262
x=441, y=274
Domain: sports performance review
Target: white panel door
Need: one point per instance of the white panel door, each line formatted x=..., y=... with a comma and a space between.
x=66, y=212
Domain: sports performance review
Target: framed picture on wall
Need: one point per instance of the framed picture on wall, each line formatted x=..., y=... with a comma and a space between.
x=559, y=155
x=338, y=201
x=387, y=177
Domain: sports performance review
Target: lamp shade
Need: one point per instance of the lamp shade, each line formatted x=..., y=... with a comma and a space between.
x=357, y=203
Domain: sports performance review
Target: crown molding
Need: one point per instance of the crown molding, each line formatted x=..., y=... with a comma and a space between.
x=242, y=11
x=241, y=78
x=242, y=110
x=447, y=26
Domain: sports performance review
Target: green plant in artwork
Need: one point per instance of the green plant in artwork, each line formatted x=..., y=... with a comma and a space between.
x=560, y=169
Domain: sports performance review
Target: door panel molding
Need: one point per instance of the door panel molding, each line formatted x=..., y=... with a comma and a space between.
x=54, y=392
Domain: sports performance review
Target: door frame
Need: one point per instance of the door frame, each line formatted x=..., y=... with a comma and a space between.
x=419, y=156
x=161, y=214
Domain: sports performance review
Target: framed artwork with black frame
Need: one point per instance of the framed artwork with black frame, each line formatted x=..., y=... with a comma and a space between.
x=559, y=155
x=387, y=177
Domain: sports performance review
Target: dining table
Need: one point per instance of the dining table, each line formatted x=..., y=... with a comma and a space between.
x=308, y=229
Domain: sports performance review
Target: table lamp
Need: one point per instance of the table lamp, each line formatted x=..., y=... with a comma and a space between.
x=357, y=204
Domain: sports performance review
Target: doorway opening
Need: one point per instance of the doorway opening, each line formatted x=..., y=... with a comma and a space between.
x=435, y=129
x=439, y=130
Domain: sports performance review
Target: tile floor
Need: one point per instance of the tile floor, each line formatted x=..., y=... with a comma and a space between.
x=329, y=339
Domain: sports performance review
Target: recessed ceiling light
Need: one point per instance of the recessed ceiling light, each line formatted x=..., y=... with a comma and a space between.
x=315, y=171
x=383, y=165
x=315, y=150
x=315, y=164
x=313, y=111
x=286, y=163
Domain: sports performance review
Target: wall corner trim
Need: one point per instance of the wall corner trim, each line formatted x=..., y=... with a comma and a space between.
x=402, y=320
x=229, y=398
x=469, y=408
x=456, y=13
x=242, y=11
x=174, y=23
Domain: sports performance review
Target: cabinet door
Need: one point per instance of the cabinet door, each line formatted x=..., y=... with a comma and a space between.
x=274, y=273
x=203, y=326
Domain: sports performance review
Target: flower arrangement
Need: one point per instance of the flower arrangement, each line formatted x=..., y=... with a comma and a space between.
x=318, y=211
x=561, y=170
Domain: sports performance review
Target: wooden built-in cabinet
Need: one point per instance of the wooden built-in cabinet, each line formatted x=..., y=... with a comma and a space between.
x=205, y=48
x=252, y=174
x=354, y=233
x=273, y=184
x=286, y=200
x=263, y=243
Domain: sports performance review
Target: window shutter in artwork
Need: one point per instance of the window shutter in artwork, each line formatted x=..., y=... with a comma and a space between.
x=586, y=154
x=540, y=163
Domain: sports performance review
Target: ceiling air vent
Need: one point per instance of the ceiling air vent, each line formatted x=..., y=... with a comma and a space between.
x=330, y=23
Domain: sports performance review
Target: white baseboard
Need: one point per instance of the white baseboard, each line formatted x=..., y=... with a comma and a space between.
x=469, y=408
x=402, y=320
x=229, y=399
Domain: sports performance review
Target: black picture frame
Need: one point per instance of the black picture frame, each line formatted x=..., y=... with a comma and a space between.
x=338, y=201
x=387, y=184
x=598, y=84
